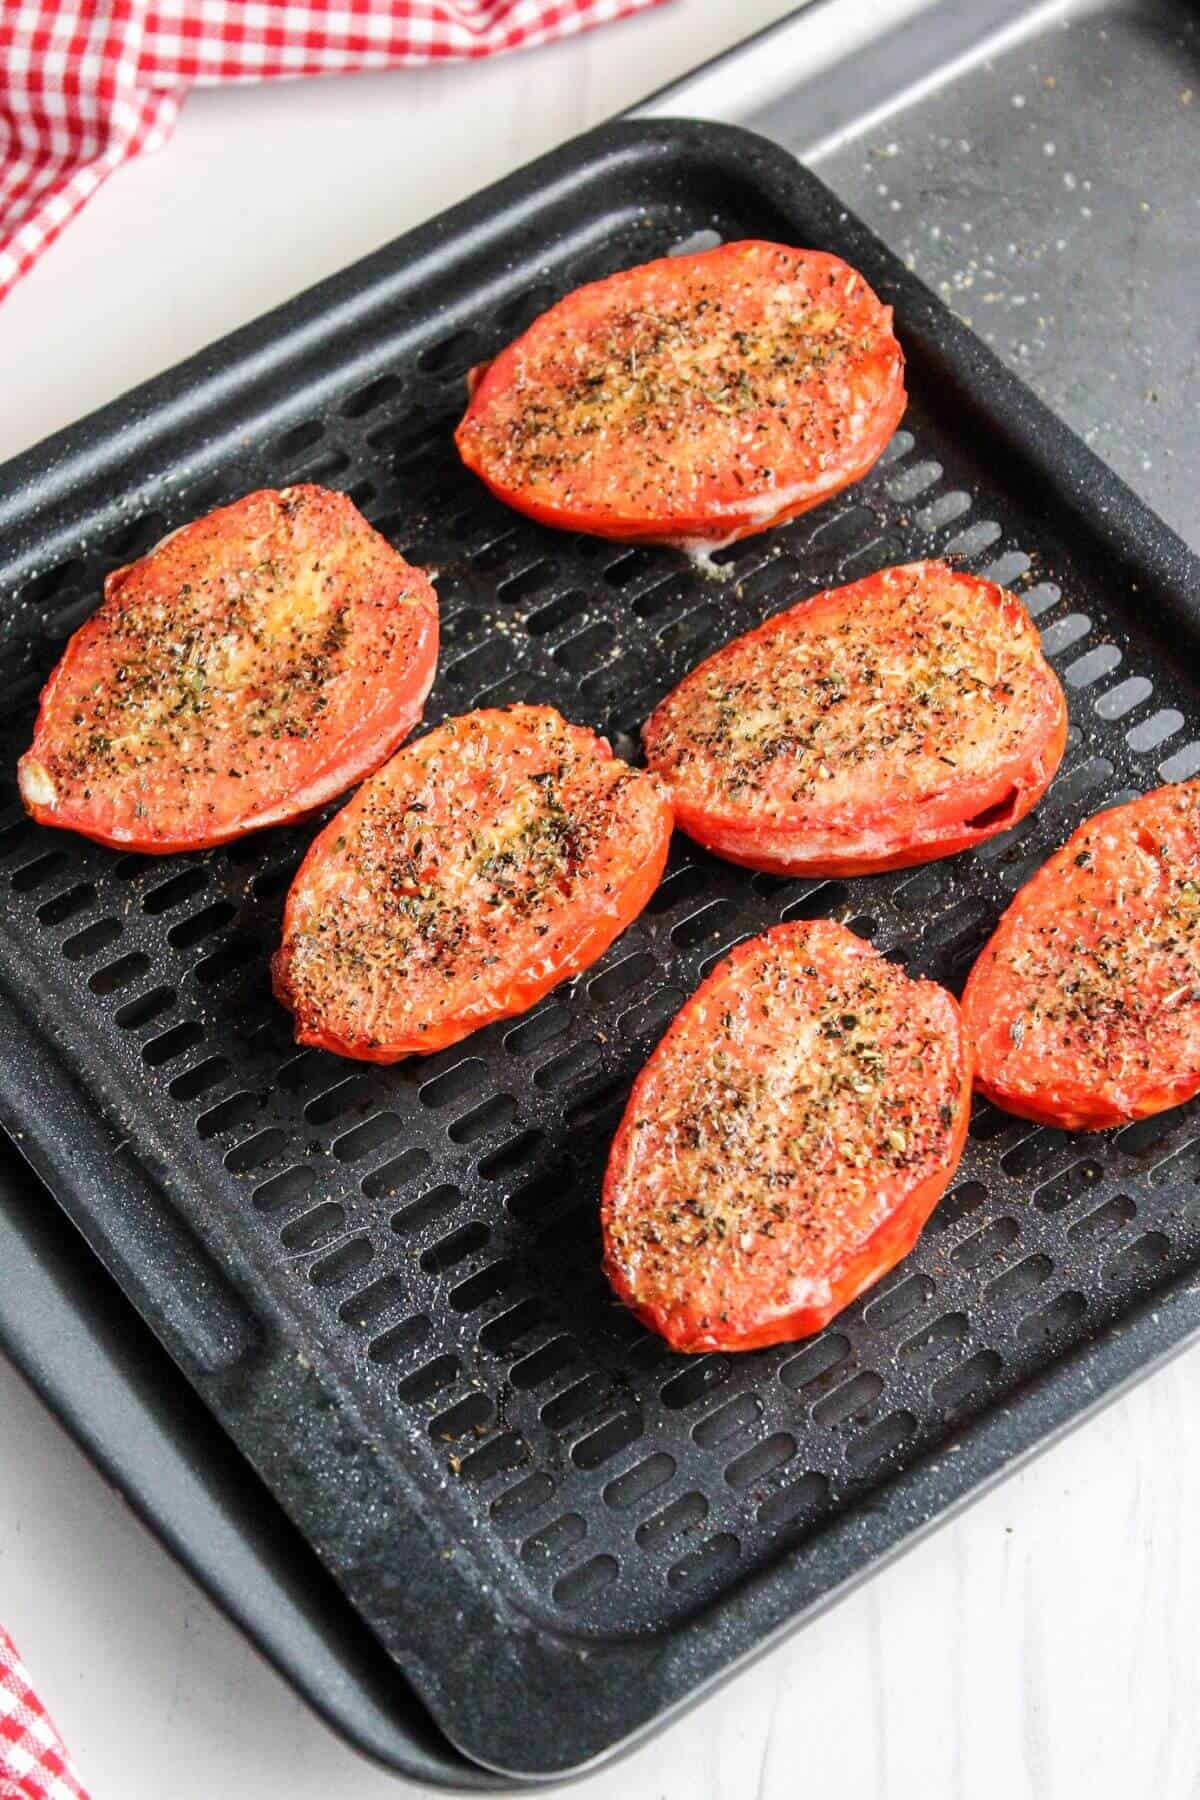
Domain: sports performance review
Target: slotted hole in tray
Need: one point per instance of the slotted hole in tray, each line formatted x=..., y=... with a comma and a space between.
x=935, y=1340
x=37, y=873
x=175, y=890
x=376, y=393
x=1125, y=698
x=434, y=1377
x=170, y=1044
x=1182, y=764
x=16, y=836
x=349, y=1259
x=501, y=1336
x=356, y=1184
x=395, y=1174
x=397, y=1343
x=429, y=1207
x=881, y=1441
x=118, y=974
x=365, y=1139
x=264, y=1147
x=67, y=905
x=511, y=1155
x=557, y=1538
x=314, y=1228
x=599, y=1448
x=676, y=889
x=541, y=1194
x=556, y=612
x=799, y=1501
x=451, y=354
x=516, y=1503
x=284, y=1190
x=147, y=1007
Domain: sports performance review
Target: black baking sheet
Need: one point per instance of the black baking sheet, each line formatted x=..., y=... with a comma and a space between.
x=385, y=1282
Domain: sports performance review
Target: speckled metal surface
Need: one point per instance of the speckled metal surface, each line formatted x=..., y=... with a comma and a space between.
x=1044, y=183
x=384, y=1282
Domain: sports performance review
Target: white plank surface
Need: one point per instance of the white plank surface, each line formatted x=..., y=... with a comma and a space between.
x=1044, y=1644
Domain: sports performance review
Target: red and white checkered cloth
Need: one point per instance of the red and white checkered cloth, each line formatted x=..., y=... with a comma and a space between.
x=33, y=1763
x=84, y=84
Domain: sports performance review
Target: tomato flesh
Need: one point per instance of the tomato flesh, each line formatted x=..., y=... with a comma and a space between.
x=903, y=718
x=251, y=667
x=786, y=1141
x=487, y=862
x=692, y=400
x=1084, y=1006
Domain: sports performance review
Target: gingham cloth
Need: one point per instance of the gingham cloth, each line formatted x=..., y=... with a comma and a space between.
x=33, y=1763
x=84, y=84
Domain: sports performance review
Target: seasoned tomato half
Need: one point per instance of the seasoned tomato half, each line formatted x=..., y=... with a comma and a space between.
x=905, y=717
x=486, y=863
x=692, y=400
x=786, y=1141
x=251, y=667
x=1084, y=1006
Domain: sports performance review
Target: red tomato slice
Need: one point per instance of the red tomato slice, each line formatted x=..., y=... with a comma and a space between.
x=786, y=1141
x=692, y=400
x=905, y=717
x=486, y=863
x=251, y=667
x=1084, y=1006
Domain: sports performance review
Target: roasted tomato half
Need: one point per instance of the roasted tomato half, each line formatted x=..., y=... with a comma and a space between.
x=1084, y=1006
x=692, y=400
x=251, y=667
x=905, y=717
x=483, y=865
x=786, y=1141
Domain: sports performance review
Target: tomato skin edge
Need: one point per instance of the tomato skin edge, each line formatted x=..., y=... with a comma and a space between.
x=868, y=838
x=523, y=995
x=1084, y=1115
x=869, y=853
x=602, y=929
x=321, y=786
x=714, y=530
x=1059, y=1090
x=891, y=1241
x=726, y=521
x=334, y=780
x=1063, y=1104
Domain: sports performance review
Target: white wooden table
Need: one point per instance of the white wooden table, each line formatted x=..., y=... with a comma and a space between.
x=1044, y=1644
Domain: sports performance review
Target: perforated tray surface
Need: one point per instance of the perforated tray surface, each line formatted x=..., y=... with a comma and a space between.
x=385, y=1281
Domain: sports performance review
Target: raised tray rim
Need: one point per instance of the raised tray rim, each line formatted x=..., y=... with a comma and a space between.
x=656, y=1678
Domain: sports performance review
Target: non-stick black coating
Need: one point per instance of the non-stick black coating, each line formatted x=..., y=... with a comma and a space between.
x=385, y=1282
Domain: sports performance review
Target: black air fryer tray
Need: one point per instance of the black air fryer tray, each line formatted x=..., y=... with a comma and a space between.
x=385, y=1282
